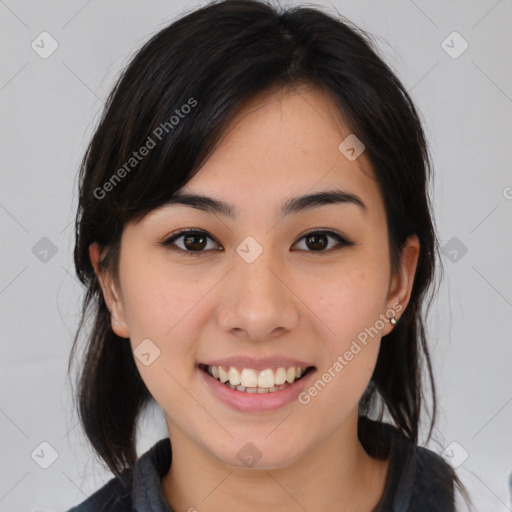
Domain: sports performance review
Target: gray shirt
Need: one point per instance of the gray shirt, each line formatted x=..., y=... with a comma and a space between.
x=418, y=479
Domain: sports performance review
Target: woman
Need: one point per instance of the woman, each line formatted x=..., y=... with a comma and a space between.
x=256, y=239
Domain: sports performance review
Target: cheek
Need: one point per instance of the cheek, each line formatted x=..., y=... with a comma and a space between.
x=351, y=303
x=160, y=306
x=355, y=325
x=157, y=297
x=159, y=311
x=351, y=308
x=353, y=297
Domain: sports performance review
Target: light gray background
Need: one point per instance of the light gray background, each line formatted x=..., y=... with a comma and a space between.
x=49, y=109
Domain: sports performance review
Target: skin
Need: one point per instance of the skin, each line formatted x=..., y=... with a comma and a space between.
x=292, y=300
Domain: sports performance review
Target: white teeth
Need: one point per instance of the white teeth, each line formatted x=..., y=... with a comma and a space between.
x=248, y=378
x=266, y=379
x=223, y=374
x=234, y=376
x=252, y=381
x=280, y=376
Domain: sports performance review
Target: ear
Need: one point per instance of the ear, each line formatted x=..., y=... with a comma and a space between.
x=401, y=283
x=110, y=293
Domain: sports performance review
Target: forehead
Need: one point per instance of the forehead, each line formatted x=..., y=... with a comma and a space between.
x=283, y=144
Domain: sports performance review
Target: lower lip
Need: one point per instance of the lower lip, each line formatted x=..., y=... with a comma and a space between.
x=256, y=402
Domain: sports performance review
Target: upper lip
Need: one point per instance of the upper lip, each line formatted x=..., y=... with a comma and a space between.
x=258, y=364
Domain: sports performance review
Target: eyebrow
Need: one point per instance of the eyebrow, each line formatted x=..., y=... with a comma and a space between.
x=290, y=206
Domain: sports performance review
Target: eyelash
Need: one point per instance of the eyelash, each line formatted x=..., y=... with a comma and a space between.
x=342, y=241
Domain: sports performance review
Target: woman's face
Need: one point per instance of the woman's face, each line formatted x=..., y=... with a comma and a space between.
x=255, y=287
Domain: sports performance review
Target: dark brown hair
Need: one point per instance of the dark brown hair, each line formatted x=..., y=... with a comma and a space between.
x=220, y=56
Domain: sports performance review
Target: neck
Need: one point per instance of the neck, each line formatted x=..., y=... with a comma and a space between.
x=338, y=470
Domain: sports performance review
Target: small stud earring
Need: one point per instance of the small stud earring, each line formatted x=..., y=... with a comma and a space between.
x=393, y=320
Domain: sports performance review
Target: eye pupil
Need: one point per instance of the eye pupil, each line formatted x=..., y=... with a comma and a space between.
x=319, y=245
x=201, y=244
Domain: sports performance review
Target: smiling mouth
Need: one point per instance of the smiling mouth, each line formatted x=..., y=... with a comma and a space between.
x=248, y=380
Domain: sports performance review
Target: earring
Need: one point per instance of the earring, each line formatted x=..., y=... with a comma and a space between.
x=393, y=320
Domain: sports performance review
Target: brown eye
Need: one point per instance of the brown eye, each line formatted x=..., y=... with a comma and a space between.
x=194, y=242
x=317, y=241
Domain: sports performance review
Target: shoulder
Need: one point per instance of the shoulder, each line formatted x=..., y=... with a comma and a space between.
x=425, y=481
x=114, y=496
x=433, y=485
x=136, y=485
x=418, y=479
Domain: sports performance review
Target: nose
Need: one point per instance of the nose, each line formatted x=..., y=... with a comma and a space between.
x=258, y=302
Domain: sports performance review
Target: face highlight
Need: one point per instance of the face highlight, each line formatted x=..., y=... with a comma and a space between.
x=301, y=284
